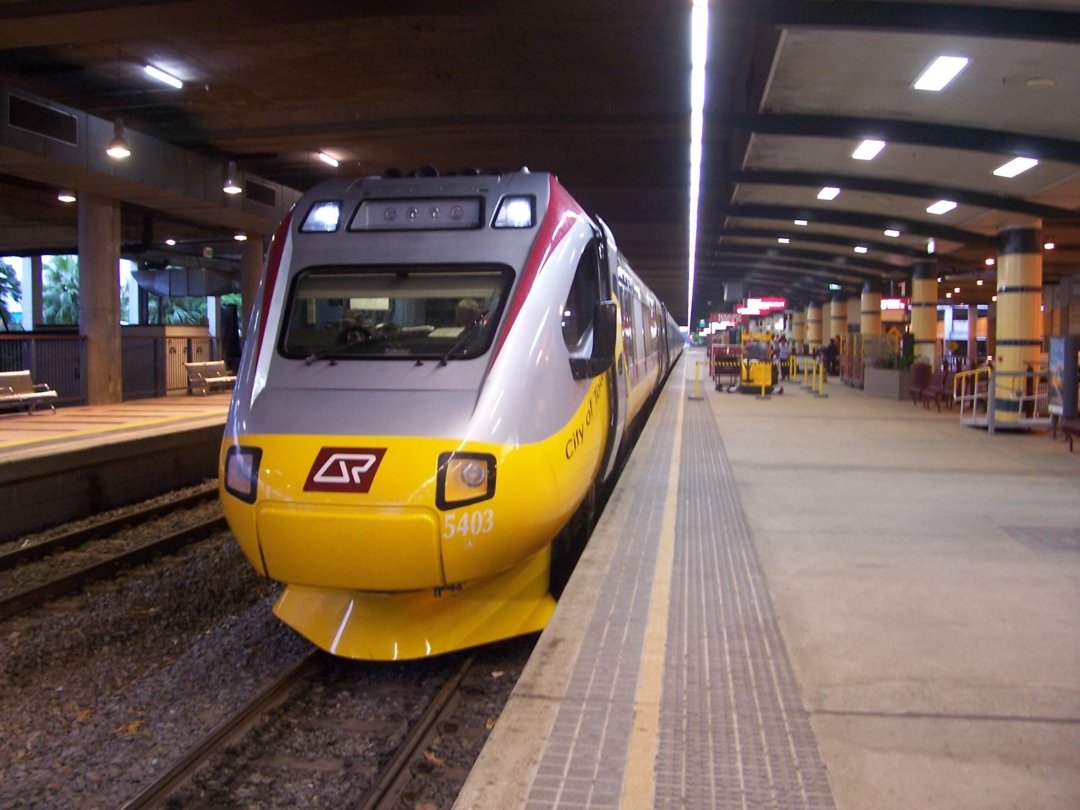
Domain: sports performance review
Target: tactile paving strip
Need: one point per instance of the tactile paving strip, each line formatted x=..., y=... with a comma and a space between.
x=585, y=754
x=734, y=731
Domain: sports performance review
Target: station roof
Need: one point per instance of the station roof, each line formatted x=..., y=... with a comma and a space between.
x=597, y=93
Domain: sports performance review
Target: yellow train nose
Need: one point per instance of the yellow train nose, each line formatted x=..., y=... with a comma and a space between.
x=354, y=547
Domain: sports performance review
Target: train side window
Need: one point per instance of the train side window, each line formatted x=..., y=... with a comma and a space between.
x=580, y=306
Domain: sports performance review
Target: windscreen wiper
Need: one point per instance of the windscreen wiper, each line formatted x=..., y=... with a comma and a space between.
x=463, y=338
x=321, y=354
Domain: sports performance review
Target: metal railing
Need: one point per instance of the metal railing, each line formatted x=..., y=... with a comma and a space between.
x=985, y=396
x=152, y=366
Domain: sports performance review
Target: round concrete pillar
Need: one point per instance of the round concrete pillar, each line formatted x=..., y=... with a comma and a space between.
x=813, y=327
x=1019, y=317
x=924, y=297
x=99, y=297
x=870, y=314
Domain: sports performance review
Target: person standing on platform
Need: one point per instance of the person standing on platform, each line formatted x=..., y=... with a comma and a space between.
x=783, y=354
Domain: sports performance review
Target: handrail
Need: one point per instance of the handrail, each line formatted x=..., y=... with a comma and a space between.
x=979, y=390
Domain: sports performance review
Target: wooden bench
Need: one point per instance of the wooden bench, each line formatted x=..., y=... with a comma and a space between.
x=205, y=376
x=938, y=390
x=18, y=390
x=1070, y=428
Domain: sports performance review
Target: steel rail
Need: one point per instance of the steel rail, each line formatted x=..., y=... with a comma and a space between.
x=36, y=594
x=384, y=793
x=76, y=537
x=272, y=695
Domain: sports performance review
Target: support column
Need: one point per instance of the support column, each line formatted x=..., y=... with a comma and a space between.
x=32, y=301
x=924, y=298
x=854, y=313
x=813, y=327
x=870, y=314
x=838, y=320
x=798, y=329
x=99, y=297
x=1019, y=319
x=251, y=264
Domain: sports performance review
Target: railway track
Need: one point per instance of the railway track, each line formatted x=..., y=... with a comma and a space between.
x=361, y=755
x=35, y=573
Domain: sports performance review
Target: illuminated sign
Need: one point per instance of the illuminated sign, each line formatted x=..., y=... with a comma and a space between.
x=761, y=306
x=894, y=304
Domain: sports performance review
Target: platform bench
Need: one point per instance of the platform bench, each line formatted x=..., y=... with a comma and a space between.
x=1070, y=427
x=205, y=376
x=18, y=390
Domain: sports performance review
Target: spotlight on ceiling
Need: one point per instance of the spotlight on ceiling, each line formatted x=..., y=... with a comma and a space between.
x=118, y=147
x=66, y=195
x=232, y=180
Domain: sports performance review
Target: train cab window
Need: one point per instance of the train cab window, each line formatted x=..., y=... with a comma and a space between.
x=399, y=312
x=580, y=306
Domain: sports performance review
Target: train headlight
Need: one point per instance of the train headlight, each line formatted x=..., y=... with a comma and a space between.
x=464, y=478
x=516, y=212
x=242, y=472
x=323, y=217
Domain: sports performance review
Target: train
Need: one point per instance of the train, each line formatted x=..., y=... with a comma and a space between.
x=440, y=374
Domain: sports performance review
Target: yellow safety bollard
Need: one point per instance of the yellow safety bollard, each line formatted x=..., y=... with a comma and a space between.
x=697, y=380
x=821, y=380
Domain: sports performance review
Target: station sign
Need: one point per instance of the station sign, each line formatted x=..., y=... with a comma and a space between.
x=894, y=304
x=761, y=306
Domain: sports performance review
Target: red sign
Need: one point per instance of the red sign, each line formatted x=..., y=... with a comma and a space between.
x=344, y=469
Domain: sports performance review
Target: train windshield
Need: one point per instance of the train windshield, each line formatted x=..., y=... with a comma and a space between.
x=424, y=312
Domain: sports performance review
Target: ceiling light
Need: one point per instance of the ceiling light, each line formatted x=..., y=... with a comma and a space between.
x=783, y=240
x=66, y=195
x=118, y=147
x=861, y=249
x=991, y=262
x=232, y=180
x=170, y=242
x=892, y=232
x=956, y=289
x=699, y=47
x=930, y=247
x=940, y=72
x=1049, y=245
x=240, y=237
x=941, y=207
x=868, y=150
x=163, y=77
x=801, y=222
x=828, y=193
x=978, y=282
x=329, y=160
x=948, y=295
x=993, y=298
x=1015, y=167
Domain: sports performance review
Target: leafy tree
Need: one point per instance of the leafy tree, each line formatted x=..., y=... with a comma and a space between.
x=177, y=310
x=9, y=288
x=60, y=290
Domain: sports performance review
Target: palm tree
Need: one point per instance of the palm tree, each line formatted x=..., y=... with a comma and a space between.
x=9, y=288
x=60, y=290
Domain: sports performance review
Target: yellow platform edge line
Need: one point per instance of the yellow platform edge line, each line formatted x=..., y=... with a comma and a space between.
x=639, y=781
x=78, y=434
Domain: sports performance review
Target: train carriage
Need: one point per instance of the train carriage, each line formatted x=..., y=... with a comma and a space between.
x=439, y=373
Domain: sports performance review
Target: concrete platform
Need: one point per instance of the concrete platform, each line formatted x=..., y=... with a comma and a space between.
x=59, y=466
x=810, y=602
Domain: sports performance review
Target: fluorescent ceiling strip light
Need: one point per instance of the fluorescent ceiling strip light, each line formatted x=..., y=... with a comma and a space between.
x=699, y=46
x=940, y=72
x=892, y=232
x=1015, y=166
x=163, y=77
x=941, y=207
x=329, y=160
x=802, y=222
x=868, y=150
x=861, y=249
x=783, y=240
x=828, y=193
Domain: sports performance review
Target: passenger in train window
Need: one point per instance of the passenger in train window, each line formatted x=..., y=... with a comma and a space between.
x=353, y=329
x=467, y=312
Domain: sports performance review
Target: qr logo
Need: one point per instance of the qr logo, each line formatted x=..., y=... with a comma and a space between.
x=344, y=469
